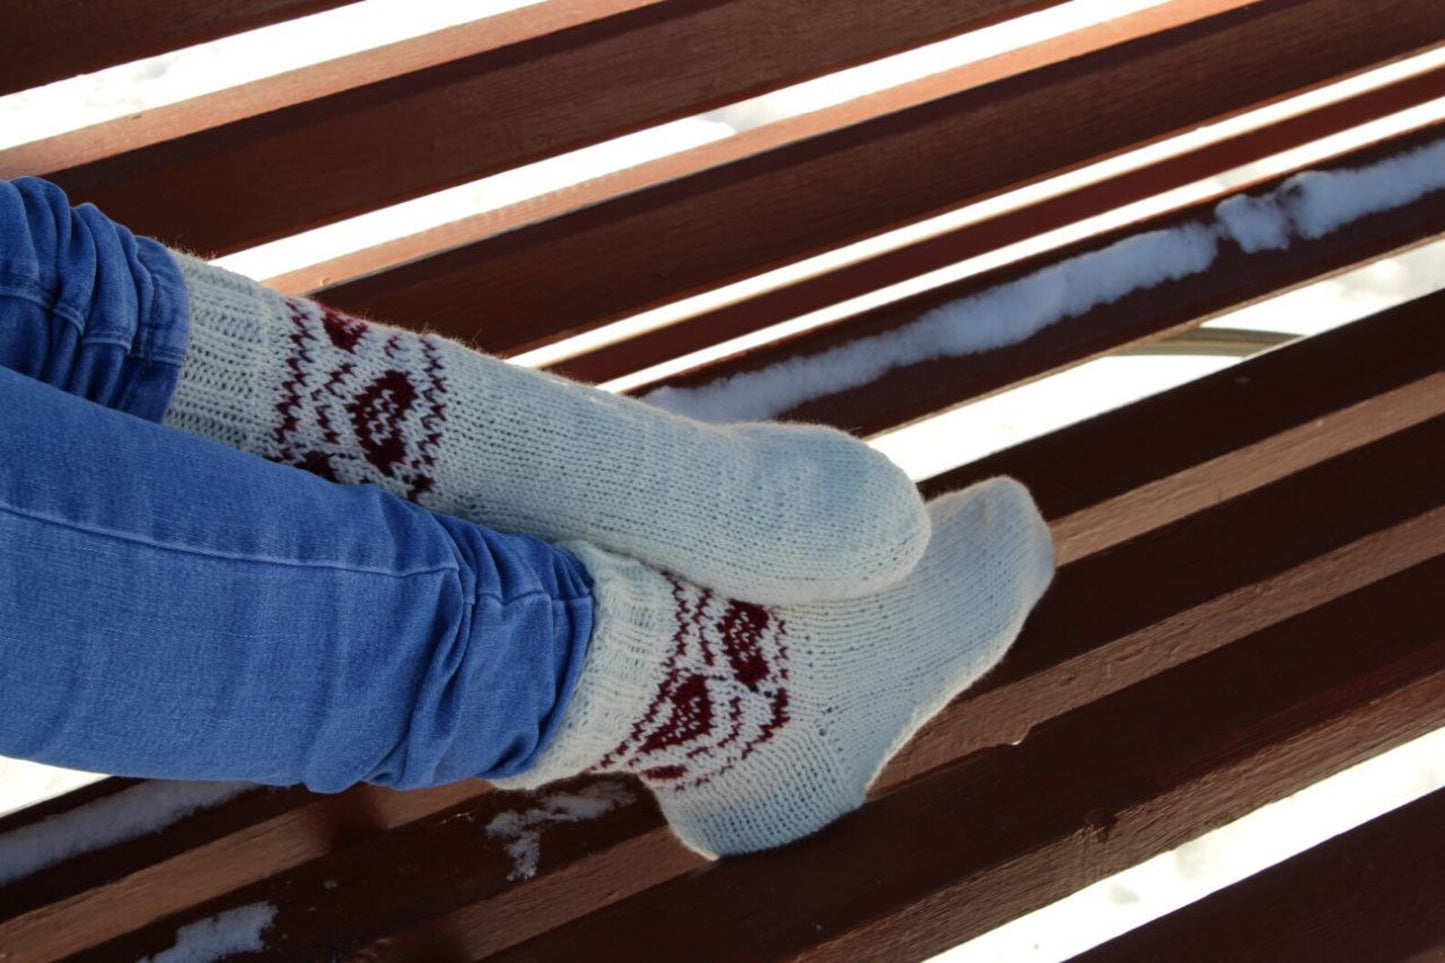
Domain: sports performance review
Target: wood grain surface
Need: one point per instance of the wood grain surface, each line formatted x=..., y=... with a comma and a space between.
x=541, y=281
x=260, y=177
x=1234, y=280
x=992, y=233
x=62, y=38
x=1372, y=893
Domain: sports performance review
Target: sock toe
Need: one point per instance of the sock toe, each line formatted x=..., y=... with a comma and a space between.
x=833, y=519
x=998, y=529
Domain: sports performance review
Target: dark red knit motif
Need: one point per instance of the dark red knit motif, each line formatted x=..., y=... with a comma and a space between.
x=359, y=404
x=724, y=692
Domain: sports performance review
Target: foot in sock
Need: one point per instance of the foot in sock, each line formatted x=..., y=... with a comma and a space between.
x=770, y=513
x=754, y=725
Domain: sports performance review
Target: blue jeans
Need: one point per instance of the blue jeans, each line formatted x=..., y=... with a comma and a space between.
x=172, y=608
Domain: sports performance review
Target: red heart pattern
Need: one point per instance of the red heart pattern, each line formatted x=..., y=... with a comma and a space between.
x=354, y=422
x=724, y=692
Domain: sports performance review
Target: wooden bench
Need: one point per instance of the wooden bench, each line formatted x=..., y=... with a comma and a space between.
x=1251, y=563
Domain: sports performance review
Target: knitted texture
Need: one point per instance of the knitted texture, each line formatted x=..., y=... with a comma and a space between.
x=772, y=513
x=757, y=725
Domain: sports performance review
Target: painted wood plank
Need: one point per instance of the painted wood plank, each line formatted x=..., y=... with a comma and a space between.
x=1234, y=280
x=871, y=274
x=94, y=897
x=62, y=38
x=571, y=272
x=265, y=176
x=1372, y=893
x=173, y=121
x=757, y=140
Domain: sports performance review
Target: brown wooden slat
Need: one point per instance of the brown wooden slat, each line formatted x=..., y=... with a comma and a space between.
x=266, y=176
x=59, y=882
x=540, y=282
x=1235, y=279
x=330, y=905
x=62, y=38
x=1091, y=793
x=1135, y=611
x=1212, y=577
x=55, y=805
x=761, y=139
x=1128, y=471
x=1372, y=893
x=95, y=896
x=173, y=121
x=915, y=260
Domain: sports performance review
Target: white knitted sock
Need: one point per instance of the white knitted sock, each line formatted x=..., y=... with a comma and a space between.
x=769, y=513
x=756, y=726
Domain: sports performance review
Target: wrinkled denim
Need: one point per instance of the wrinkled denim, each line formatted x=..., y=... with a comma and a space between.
x=172, y=608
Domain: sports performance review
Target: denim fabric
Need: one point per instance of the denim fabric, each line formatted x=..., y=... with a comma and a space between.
x=170, y=607
x=84, y=304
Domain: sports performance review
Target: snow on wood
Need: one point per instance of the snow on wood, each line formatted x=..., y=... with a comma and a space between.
x=524, y=828
x=143, y=808
x=1309, y=205
x=215, y=937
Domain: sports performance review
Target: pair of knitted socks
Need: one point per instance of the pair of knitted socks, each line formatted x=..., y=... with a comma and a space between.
x=776, y=610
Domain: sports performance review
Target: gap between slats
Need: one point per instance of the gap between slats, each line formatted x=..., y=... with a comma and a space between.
x=63, y=38
x=369, y=243
x=542, y=281
x=242, y=87
x=893, y=397
x=361, y=147
x=172, y=187
x=989, y=241
x=1371, y=893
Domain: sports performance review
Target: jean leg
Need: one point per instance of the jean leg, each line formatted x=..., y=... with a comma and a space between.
x=85, y=305
x=170, y=607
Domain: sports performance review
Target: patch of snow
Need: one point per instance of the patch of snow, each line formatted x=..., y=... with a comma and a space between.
x=524, y=827
x=23, y=783
x=1309, y=205
x=1319, y=202
x=144, y=808
x=1255, y=223
x=234, y=931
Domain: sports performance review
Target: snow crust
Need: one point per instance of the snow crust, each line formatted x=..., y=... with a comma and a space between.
x=1319, y=202
x=1254, y=223
x=234, y=931
x=524, y=827
x=1309, y=205
x=143, y=808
